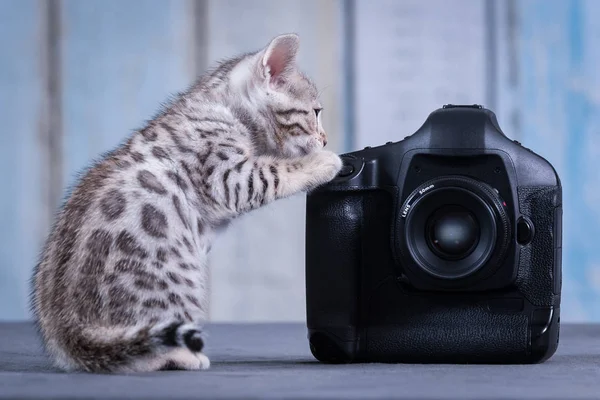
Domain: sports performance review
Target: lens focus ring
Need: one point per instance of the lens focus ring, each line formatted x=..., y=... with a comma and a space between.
x=453, y=226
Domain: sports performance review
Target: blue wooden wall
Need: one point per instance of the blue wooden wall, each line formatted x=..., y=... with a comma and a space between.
x=117, y=60
x=121, y=59
x=104, y=69
x=21, y=102
x=559, y=102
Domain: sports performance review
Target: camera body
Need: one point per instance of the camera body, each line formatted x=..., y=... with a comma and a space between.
x=444, y=247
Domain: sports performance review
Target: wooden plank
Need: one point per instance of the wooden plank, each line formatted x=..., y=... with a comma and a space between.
x=411, y=58
x=21, y=112
x=50, y=137
x=560, y=111
x=507, y=78
x=122, y=59
x=258, y=263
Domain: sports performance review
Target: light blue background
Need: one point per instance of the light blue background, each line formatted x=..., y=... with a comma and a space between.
x=559, y=100
x=120, y=59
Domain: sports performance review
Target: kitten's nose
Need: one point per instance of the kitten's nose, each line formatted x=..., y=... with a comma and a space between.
x=324, y=139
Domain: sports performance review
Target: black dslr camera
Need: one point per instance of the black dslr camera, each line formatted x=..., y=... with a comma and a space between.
x=444, y=247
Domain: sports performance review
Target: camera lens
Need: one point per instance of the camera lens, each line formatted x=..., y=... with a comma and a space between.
x=452, y=227
x=453, y=232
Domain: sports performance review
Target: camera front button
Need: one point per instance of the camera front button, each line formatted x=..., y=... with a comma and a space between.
x=524, y=231
x=347, y=169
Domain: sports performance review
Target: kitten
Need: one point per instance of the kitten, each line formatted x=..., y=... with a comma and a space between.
x=121, y=283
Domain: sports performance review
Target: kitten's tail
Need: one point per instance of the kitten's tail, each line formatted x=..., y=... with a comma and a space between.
x=113, y=349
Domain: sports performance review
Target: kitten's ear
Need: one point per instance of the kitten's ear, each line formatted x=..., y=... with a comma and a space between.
x=279, y=58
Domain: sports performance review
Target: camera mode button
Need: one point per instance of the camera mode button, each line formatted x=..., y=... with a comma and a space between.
x=524, y=231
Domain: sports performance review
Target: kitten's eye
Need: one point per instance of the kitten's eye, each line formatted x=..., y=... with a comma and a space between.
x=317, y=111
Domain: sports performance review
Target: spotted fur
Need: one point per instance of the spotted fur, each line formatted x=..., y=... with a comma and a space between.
x=122, y=282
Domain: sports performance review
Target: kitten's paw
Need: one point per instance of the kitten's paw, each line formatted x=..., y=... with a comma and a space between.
x=324, y=166
x=204, y=360
x=183, y=359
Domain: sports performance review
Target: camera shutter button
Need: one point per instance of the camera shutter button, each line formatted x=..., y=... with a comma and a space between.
x=524, y=231
x=347, y=169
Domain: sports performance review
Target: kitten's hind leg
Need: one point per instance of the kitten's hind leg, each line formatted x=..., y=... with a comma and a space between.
x=180, y=348
x=189, y=356
x=175, y=359
x=184, y=359
x=204, y=360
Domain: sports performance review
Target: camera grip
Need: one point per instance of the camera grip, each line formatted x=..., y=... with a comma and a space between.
x=333, y=254
x=427, y=329
x=539, y=275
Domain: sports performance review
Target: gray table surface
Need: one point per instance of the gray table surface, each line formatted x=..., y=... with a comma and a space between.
x=273, y=361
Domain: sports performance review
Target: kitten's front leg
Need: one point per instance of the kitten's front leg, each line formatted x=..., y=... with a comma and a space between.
x=252, y=182
x=272, y=179
x=308, y=172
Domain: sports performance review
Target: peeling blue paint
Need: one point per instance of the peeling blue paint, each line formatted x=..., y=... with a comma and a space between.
x=553, y=39
x=20, y=105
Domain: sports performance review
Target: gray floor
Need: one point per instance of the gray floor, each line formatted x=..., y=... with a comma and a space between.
x=273, y=361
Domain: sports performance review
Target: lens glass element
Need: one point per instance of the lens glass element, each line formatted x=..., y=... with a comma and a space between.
x=452, y=232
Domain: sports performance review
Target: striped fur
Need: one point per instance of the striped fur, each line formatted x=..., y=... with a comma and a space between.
x=121, y=283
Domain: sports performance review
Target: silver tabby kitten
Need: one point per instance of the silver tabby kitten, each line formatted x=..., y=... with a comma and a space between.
x=121, y=284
